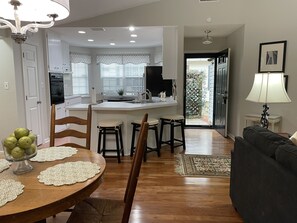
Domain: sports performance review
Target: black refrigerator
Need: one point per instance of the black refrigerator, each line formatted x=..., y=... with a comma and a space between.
x=154, y=81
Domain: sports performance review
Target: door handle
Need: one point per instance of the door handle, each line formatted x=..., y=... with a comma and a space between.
x=38, y=102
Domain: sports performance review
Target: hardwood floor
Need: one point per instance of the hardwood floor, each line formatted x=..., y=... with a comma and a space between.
x=164, y=196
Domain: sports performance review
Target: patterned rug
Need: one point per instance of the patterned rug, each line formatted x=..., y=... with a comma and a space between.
x=203, y=165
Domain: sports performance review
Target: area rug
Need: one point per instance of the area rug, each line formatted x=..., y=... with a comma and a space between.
x=203, y=165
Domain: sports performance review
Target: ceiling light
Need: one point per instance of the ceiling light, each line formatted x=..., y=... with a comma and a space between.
x=131, y=28
x=207, y=39
x=43, y=14
x=81, y=32
x=132, y=41
x=112, y=44
x=133, y=35
x=90, y=40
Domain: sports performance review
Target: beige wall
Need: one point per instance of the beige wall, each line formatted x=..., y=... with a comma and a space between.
x=9, y=115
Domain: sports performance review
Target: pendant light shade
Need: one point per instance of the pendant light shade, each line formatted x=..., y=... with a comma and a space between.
x=207, y=39
x=39, y=14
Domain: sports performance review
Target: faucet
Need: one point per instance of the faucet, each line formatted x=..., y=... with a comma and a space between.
x=147, y=93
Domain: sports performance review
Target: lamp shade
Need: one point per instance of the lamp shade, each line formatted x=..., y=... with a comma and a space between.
x=268, y=88
x=35, y=10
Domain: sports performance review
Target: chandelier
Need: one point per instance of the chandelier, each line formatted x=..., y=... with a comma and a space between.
x=36, y=13
x=207, y=39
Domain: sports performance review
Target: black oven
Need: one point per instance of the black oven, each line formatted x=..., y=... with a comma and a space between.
x=56, y=88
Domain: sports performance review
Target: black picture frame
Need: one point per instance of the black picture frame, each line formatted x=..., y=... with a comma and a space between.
x=272, y=57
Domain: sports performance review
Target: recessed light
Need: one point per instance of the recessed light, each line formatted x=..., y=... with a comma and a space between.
x=133, y=35
x=81, y=32
x=90, y=40
x=131, y=28
x=132, y=41
x=112, y=44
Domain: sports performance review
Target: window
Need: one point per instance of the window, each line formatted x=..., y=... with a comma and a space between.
x=117, y=76
x=122, y=72
x=80, y=73
x=80, y=78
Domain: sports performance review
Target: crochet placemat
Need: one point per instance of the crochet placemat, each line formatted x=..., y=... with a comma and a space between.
x=54, y=153
x=9, y=190
x=68, y=173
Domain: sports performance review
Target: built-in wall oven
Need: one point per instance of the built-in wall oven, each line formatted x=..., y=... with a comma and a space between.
x=56, y=88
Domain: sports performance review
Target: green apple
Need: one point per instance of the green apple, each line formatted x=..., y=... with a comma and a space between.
x=20, y=132
x=17, y=153
x=31, y=150
x=32, y=137
x=10, y=142
x=25, y=142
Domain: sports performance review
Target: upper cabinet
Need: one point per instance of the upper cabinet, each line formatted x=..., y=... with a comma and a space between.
x=170, y=46
x=65, y=57
x=55, y=61
x=58, y=53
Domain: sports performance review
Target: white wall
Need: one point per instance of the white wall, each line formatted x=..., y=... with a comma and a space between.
x=9, y=116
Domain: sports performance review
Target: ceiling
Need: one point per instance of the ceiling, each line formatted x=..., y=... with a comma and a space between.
x=147, y=36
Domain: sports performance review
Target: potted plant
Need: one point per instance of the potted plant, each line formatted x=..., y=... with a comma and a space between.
x=120, y=92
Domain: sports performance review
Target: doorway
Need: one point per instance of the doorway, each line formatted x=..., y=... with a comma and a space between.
x=199, y=90
x=31, y=90
x=206, y=83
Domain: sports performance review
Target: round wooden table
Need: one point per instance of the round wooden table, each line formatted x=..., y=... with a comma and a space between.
x=39, y=201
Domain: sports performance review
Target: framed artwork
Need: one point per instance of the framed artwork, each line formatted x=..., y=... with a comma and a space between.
x=272, y=57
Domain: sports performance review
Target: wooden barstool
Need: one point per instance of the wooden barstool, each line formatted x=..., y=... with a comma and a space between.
x=173, y=121
x=153, y=125
x=110, y=127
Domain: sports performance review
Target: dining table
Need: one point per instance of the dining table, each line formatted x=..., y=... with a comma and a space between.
x=40, y=200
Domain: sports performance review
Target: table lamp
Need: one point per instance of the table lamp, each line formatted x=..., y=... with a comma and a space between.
x=268, y=88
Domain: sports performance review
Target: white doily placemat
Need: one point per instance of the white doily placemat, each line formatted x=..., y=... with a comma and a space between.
x=4, y=164
x=9, y=191
x=68, y=173
x=54, y=153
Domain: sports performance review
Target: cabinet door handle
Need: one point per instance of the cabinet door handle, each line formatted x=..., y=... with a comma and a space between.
x=38, y=102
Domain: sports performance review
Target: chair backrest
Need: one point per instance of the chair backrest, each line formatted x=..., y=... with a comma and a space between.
x=135, y=169
x=68, y=132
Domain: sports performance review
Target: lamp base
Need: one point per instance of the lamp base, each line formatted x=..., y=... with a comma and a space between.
x=264, y=116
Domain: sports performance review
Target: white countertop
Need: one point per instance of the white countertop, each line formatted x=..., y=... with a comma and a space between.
x=124, y=106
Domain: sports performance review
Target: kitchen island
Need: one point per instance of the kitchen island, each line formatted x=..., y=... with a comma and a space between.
x=127, y=112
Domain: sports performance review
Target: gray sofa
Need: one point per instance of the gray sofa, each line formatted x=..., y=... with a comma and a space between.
x=263, y=181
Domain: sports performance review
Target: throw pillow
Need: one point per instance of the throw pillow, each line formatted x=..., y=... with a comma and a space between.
x=264, y=140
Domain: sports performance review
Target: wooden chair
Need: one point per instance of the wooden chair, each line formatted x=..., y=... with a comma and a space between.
x=71, y=132
x=94, y=210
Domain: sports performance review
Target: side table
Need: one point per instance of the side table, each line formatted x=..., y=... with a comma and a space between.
x=255, y=119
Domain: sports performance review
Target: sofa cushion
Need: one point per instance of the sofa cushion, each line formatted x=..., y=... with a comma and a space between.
x=286, y=155
x=264, y=140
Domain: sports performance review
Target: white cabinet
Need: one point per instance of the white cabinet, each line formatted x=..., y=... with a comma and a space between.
x=170, y=47
x=55, y=60
x=65, y=57
x=60, y=113
x=72, y=101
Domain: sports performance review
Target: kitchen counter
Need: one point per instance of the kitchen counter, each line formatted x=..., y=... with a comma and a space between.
x=123, y=106
x=127, y=112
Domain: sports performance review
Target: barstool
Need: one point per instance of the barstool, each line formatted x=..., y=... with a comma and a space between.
x=153, y=125
x=110, y=127
x=173, y=121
